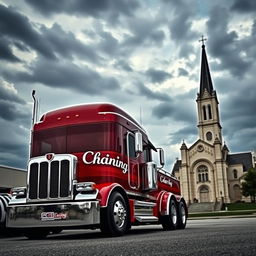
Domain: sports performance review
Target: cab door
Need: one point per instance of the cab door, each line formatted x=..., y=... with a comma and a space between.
x=133, y=162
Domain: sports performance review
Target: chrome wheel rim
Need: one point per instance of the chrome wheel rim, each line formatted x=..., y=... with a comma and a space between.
x=174, y=214
x=119, y=213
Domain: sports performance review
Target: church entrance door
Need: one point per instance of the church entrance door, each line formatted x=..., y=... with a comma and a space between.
x=204, y=194
x=237, y=193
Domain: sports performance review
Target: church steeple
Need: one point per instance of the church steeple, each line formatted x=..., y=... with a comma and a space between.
x=207, y=104
x=205, y=79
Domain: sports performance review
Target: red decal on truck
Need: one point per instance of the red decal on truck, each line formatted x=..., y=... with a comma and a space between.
x=53, y=216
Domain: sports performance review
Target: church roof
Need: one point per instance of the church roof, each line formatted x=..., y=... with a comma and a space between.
x=205, y=79
x=176, y=166
x=241, y=158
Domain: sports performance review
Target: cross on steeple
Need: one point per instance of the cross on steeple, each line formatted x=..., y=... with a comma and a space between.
x=202, y=40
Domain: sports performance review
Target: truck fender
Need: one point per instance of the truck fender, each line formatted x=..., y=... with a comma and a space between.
x=106, y=190
x=164, y=202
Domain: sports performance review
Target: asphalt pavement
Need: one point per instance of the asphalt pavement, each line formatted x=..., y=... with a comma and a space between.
x=231, y=236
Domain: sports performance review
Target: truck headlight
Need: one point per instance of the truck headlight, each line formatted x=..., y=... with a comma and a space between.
x=85, y=187
x=19, y=192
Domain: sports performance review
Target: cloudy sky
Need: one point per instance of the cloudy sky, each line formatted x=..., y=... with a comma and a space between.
x=143, y=56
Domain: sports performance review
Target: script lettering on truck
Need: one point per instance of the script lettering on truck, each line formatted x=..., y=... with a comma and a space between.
x=98, y=158
x=165, y=180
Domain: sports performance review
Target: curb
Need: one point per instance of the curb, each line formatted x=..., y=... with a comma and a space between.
x=222, y=217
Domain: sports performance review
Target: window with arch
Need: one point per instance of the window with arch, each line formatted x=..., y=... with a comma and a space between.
x=204, y=113
x=209, y=111
x=235, y=174
x=202, y=173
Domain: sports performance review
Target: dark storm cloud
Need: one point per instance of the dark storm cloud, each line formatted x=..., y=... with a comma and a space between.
x=65, y=44
x=11, y=112
x=143, y=31
x=17, y=28
x=225, y=45
x=188, y=132
x=180, y=27
x=12, y=107
x=108, y=44
x=157, y=76
x=244, y=6
x=51, y=42
x=145, y=91
x=96, y=8
x=8, y=95
x=15, y=119
x=14, y=144
x=65, y=75
x=240, y=103
x=182, y=72
x=180, y=24
x=122, y=64
x=171, y=110
x=6, y=52
x=144, y=35
x=180, y=108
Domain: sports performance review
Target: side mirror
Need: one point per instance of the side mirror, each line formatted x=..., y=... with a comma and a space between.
x=138, y=142
x=161, y=157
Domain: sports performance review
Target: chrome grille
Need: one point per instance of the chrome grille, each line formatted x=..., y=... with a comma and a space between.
x=51, y=180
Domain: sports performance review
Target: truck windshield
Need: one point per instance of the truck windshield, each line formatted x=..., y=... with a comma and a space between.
x=103, y=136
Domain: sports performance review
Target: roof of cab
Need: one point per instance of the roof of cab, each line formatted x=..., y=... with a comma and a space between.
x=86, y=113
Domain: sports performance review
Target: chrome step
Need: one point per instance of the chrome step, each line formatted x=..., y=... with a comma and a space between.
x=144, y=204
x=146, y=218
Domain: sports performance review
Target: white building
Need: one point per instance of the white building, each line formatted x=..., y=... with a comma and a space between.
x=11, y=177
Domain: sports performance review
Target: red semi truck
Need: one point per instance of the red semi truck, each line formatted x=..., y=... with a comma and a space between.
x=91, y=166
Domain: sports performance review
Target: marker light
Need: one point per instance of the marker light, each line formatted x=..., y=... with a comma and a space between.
x=18, y=191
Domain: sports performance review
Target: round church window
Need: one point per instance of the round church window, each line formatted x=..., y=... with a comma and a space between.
x=209, y=136
x=200, y=148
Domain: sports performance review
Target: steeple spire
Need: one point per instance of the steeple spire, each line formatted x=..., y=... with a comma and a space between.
x=205, y=80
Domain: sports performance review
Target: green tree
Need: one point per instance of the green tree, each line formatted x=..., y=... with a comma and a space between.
x=249, y=184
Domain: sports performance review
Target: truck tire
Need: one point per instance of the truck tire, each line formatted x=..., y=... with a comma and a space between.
x=4, y=201
x=114, y=219
x=182, y=216
x=36, y=233
x=170, y=222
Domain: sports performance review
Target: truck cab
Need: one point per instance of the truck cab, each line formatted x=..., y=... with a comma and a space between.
x=91, y=166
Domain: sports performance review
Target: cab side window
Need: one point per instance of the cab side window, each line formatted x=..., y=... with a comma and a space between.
x=131, y=145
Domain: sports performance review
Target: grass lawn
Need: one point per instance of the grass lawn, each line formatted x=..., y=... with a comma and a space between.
x=233, y=209
x=222, y=213
x=241, y=206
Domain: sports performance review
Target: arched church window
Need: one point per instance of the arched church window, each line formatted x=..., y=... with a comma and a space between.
x=199, y=177
x=202, y=172
x=235, y=173
x=209, y=136
x=209, y=111
x=204, y=113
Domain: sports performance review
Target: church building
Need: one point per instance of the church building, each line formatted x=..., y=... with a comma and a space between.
x=207, y=171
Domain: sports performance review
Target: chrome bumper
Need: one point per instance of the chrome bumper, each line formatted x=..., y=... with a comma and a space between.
x=53, y=215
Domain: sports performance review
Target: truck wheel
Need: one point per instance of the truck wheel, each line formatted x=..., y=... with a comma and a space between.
x=36, y=233
x=170, y=222
x=182, y=216
x=114, y=219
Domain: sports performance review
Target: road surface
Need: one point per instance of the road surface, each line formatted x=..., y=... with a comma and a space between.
x=231, y=236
